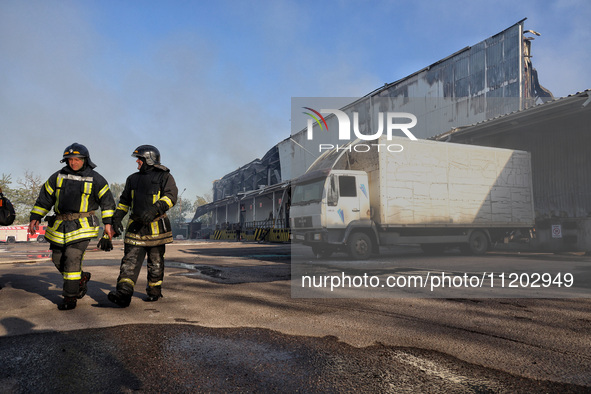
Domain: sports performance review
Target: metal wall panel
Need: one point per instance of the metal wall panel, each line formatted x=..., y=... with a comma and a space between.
x=475, y=84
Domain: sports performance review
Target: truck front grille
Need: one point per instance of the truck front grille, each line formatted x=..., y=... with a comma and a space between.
x=303, y=222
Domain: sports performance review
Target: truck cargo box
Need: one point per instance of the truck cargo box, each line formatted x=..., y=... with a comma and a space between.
x=436, y=184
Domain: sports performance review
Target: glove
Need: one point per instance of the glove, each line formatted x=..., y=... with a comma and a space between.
x=117, y=227
x=105, y=243
x=149, y=214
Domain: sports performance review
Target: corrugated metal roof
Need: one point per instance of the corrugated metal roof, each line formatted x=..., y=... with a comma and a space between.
x=545, y=106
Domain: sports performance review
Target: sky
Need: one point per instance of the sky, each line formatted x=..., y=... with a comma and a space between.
x=209, y=83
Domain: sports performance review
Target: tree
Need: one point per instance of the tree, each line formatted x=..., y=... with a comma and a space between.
x=25, y=196
x=116, y=190
x=5, y=182
x=199, y=201
x=177, y=215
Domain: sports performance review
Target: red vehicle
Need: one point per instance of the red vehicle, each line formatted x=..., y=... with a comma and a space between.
x=21, y=234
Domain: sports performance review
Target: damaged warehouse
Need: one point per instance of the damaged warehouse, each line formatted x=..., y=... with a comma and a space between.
x=461, y=98
x=249, y=203
x=255, y=175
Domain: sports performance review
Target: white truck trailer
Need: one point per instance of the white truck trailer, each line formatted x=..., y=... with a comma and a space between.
x=362, y=195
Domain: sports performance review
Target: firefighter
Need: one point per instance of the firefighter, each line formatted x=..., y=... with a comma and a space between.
x=147, y=195
x=75, y=192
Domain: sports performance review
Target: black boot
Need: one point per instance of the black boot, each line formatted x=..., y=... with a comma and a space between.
x=67, y=304
x=122, y=300
x=154, y=293
x=83, y=286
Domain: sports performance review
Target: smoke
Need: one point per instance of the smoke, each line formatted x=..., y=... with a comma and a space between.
x=63, y=83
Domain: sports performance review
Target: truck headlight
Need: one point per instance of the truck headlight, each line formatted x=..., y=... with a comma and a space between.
x=317, y=237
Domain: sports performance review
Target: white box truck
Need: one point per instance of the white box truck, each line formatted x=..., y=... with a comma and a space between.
x=362, y=195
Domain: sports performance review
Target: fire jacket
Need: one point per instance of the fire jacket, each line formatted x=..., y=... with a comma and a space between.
x=74, y=196
x=151, y=187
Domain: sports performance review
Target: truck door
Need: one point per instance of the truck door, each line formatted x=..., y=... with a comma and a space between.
x=346, y=207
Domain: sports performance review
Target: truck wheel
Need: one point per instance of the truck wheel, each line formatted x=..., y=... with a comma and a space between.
x=11, y=239
x=477, y=244
x=40, y=238
x=433, y=249
x=359, y=246
x=322, y=252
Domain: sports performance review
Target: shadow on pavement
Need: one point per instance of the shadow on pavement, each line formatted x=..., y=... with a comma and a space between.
x=55, y=362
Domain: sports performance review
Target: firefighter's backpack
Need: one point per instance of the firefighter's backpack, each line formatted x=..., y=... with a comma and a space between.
x=7, y=213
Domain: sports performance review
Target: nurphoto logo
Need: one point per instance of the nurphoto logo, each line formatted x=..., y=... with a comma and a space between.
x=344, y=128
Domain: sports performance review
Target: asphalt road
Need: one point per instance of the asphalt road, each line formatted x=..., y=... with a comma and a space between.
x=228, y=323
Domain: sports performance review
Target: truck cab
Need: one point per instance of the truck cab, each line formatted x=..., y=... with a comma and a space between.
x=327, y=206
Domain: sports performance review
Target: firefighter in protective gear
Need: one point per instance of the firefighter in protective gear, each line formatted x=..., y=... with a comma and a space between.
x=147, y=195
x=75, y=192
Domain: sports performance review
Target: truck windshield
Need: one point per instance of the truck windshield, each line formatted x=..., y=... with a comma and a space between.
x=305, y=193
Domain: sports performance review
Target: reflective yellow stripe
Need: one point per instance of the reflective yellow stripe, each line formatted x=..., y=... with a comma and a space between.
x=167, y=200
x=103, y=191
x=132, y=198
x=62, y=239
x=59, y=183
x=148, y=240
x=39, y=210
x=154, y=226
x=155, y=197
x=85, y=196
x=156, y=237
x=107, y=214
x=126, y=280
x=159, y=283
x=55, y=236
x=48, y=188
x=123, y=207
x=72, y=275
x=148, y=243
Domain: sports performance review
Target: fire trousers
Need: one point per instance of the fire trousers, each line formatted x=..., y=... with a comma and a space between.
x=68, y=261
x=131, y=264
